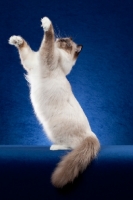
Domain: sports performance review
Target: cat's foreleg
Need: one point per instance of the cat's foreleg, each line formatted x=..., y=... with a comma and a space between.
x=47, y=48
x=24, y=49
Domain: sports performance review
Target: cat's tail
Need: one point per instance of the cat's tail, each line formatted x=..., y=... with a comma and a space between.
x=75, y=162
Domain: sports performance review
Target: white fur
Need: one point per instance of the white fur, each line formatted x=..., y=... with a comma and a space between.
x=15, y=40
x=45, y=23
x=57, y=109
x=54, y=103
x=67, y=63
x=58, y=147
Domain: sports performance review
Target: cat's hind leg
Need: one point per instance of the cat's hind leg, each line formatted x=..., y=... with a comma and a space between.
x=59, y=147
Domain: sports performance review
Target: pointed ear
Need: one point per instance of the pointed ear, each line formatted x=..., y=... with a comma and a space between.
x=79, y=48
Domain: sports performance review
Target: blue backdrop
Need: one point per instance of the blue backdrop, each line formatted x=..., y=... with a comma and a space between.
x=102, y=79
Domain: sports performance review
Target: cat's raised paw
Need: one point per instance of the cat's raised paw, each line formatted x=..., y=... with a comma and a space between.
x=16, y=40
x=45, y=23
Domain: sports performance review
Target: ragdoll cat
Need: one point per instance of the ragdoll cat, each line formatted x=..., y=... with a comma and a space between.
x=54, y=103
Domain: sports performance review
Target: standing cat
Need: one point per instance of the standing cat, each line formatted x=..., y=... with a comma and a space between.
x=54, y=103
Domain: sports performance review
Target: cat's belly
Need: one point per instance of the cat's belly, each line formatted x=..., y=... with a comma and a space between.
x=60, y=114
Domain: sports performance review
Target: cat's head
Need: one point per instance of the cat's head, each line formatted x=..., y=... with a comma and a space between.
x=69, y=53
x=68, y=45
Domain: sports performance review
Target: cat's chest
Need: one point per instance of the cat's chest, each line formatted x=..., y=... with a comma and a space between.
x=49, y=93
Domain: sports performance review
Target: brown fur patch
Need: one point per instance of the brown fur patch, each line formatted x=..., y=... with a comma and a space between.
x=65, y=44
x=47, y=47
x=23, y=54
x=49, y=35
x=78, y=50
x=24, y=44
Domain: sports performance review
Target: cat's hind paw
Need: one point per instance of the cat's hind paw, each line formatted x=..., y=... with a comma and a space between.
x=58, y=147
x=45, y=23
x=16, y=40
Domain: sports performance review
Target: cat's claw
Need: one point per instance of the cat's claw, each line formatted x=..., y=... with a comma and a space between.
x=16, y=40
x=45, y=23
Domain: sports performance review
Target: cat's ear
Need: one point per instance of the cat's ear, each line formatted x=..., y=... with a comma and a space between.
x=79, y=48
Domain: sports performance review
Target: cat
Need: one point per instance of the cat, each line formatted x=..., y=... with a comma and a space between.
x=54, y=104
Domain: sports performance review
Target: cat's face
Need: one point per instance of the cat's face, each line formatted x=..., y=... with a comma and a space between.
x=69, y=46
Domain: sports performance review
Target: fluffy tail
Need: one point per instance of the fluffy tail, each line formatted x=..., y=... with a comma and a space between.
x=75, y=162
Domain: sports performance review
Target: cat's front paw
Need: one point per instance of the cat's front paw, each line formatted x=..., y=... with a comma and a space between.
x=45, y=23
x=16, y=40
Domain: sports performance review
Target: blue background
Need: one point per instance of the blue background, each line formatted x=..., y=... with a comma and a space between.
x=102, y=79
